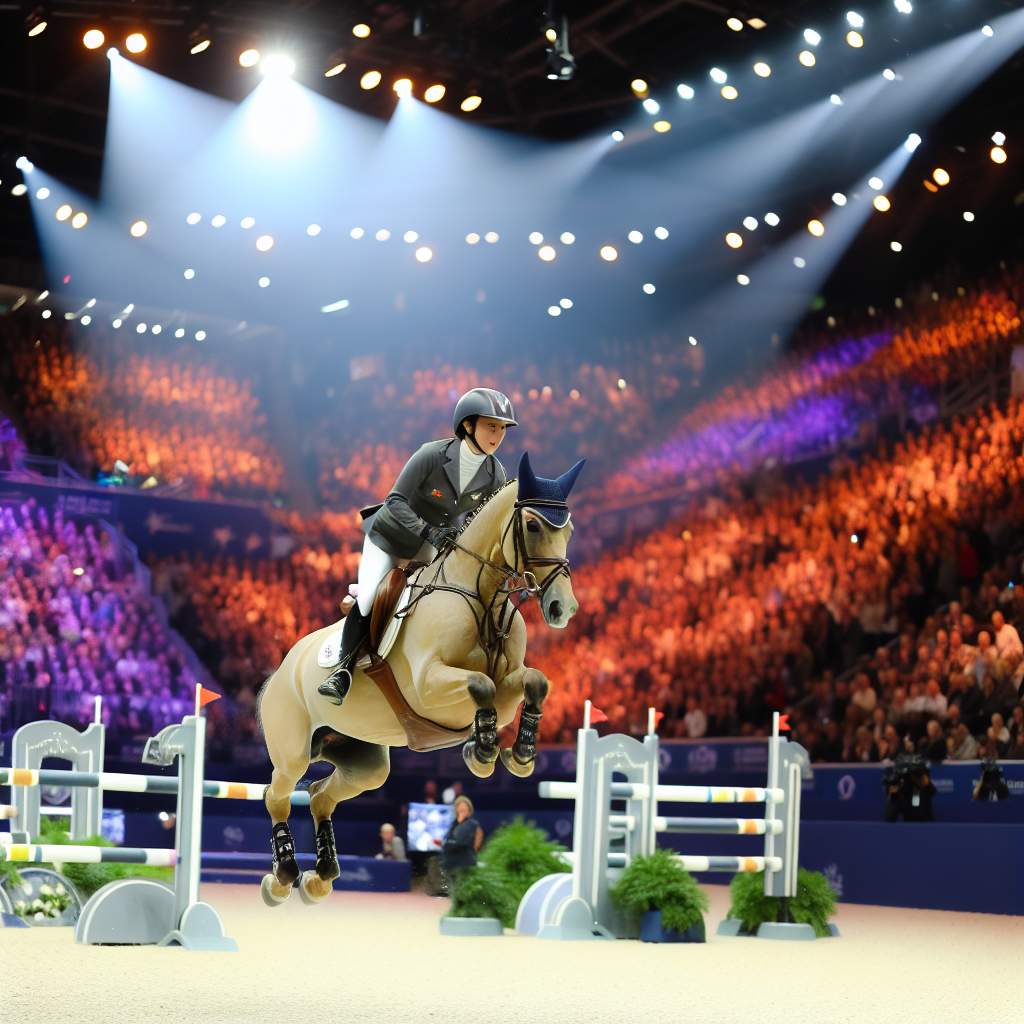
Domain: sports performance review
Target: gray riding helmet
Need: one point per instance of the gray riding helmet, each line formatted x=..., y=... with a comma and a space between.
x=484, y=402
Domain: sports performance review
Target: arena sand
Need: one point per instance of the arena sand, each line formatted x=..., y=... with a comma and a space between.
x=369, y=957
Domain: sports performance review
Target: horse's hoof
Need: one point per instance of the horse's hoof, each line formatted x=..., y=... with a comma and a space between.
x=327, y=872
x=286, y=872
x=518, y=768
x=309, y=886
x=481, y=769
x=270, y=897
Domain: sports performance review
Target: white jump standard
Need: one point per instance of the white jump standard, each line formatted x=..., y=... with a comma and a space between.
x=617, y=767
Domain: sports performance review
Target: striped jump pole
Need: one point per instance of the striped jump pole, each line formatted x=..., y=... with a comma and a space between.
x=22, y=853
x=671, y=794
x=719, y=826
x=117, y=782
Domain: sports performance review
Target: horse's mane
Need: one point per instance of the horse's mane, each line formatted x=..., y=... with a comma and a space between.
x=483, y=504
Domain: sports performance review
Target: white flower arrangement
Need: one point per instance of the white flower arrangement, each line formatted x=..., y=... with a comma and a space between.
x=50, y=902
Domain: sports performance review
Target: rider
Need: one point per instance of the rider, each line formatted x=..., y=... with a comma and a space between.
x=440, y=483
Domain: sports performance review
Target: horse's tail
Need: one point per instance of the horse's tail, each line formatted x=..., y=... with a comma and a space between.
x=259, y=703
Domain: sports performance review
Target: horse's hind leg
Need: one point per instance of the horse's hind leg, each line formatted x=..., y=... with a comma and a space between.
x=286, y=730
x=358, y=767
x=519, y=759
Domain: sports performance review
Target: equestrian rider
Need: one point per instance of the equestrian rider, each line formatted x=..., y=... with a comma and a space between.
x=442, y=482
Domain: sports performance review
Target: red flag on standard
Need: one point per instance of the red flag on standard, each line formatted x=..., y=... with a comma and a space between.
x=658, y=716
x=597, y=715
x=207, y=696
x=783, y=723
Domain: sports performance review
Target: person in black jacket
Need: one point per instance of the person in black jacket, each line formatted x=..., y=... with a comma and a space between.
x=442, y=482
x=460, y=844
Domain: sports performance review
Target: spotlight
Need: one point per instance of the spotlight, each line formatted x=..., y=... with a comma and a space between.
x=836, y=100
x=882, y=204
x=913, y=141
x=903, y=6
x=799, y=262
x=93, y=39
x=685, y=91
x=968, y=216
x=264, y=282
x=472, y=238
x=199, y=39
x=79, y=220
x=652, y=106
x=567, y=238
x=986, y=30
x=692, y=340
x=998, y=138
x=356, y=233
x=854, y=19
x=336, y=63
x=940, y=176
x=116, y=322
x=246, y=223
x=554, y=310
x=609, y=253
x=560, y=61
x=138, y=229
x=249, y=58
x=565, y=303
x=535, y=238
x=771, y=219
x=470, y=103
x=930, y=185
x=876, y=183
x=188, y=273
x=617, y=136
x=424, y=254
x=636, y=237
x=180, y=332
x=361, y=31
x=815, y=227
x=838, y=198
x=136, y=42
x=35, y=23
x=854, y=39
x=807, y=58
x=547, y=253
x=403, y=87
x=370, y=80
x=265, y=243
x=491, y=237
x=997, y=155
x=762, y=70
x=750, y=223
x=729, y=92
x=200, y=335
x=313, y=230
x=757, y=23
x=896, y=246
x=889, y=75
x=649, y=288
x=734, y=240
x=63, y=212
x=811, y=37
x=735, y=24
x=24, y=164
x=42, y=193
x=434, y=93
x=193, y=218
x=277, y=65
x=742, y=279
x=20, y=189
x=662, y=126
x=382, y=235
x=660, y=232
x=718, y=76
x=218, y=220
x=639, y=87
x=409, y=237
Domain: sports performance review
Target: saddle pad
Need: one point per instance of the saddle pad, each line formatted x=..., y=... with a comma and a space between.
x=330, y=649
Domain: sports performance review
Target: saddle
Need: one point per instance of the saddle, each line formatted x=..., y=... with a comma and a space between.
x=421, y=733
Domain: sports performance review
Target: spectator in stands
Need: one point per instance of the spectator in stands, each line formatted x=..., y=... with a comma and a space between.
x=933, y=743
x=392, y=844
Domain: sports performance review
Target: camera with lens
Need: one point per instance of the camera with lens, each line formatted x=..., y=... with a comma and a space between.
x=909, y=789
x=992, y=784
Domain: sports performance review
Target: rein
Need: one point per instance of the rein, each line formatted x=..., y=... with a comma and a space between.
x=492, y=635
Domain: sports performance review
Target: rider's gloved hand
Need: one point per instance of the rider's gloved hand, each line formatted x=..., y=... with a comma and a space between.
x=440, y=537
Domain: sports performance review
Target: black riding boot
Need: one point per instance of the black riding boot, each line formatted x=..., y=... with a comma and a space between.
x=357, y=627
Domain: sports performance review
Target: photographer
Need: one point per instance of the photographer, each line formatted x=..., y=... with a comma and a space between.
x=909, y=789
x=992, y=784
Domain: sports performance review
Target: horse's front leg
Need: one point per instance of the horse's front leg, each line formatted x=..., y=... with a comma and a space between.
x=519, y=759
x=481, y=751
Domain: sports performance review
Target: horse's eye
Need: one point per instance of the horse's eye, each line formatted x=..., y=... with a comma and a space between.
x=533, y=526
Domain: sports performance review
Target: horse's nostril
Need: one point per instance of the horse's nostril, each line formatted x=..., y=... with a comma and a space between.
x=555, y=609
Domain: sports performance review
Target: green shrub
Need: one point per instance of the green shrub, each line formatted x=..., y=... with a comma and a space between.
x=522, y=854
x=482, y=892
x=813, y=904
x=86, y=878
x=659, y=882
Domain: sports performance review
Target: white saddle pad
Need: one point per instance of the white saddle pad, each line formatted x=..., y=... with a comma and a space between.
x=330, y=649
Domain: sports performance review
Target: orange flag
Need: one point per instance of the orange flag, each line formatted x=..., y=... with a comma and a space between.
x=207, y=696
x=597, y=715
x=658, y=716
x=783, y=723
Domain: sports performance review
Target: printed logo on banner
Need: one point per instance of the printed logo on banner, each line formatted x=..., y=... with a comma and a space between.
x=834, y=877
x=749, y=757
x=664, y=759
x=702, y=760
x=563, y=827
x=568, y=762
x=157, y=523
x=359, y=875
x=233, y=835
x=943, y=785
x=846, y=787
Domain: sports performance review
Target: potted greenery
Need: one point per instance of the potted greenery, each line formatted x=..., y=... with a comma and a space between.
x=664, y=896
x=522, y=854
x=803, y=916
x=481, y=900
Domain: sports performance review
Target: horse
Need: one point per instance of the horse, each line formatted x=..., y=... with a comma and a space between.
x=458, y=661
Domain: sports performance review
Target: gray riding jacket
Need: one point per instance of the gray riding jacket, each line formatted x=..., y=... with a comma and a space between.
x=427, y=492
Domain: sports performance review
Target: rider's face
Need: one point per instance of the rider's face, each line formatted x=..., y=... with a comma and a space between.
x=489, y=434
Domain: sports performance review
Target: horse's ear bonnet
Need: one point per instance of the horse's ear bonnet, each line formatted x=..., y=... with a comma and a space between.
x=535, y=490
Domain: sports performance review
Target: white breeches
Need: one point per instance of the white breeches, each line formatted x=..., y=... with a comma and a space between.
x=376, y=564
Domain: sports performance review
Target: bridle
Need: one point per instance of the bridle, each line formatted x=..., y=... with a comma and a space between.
x=515, y=582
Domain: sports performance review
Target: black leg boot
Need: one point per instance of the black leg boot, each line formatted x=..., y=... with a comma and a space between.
x=336, y=686
x=284, y=866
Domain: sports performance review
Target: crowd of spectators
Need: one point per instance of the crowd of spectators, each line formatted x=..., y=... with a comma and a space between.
x=75, y=623
x=179, y=422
